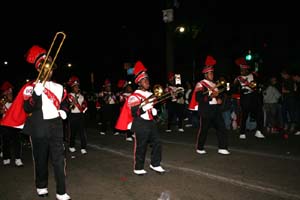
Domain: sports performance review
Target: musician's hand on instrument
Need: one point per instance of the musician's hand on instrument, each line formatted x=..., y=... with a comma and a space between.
x=214, y=94
x=62, y=114
x=148, y=106
x=38, y=89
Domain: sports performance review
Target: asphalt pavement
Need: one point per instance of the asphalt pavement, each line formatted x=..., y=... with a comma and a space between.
x=256, y=169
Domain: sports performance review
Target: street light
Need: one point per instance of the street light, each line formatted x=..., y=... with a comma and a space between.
x=180, y=29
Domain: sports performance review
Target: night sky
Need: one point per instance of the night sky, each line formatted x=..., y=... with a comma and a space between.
x=102, y=36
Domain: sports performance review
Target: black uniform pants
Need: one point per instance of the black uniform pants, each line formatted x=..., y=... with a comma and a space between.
x=146, y=132
x=212, y=119
x=11, y=142
x=175, y=112
x=251, y=104
x=50, y=146
x=77, y=126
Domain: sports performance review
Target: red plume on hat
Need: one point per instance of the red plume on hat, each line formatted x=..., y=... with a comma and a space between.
x=74, y=80
x=241, y=62
x=139, y=71
x=121, y=83
x=35, y=55
x=107, y=83
x=209, y=63
x=6, y=87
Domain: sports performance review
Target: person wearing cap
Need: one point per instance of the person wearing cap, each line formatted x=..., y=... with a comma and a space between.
x=10, y=135
x=108, y=108
x=125, y=90
x=46, y=106
x=174, y=105
x=250, y=100
x=138, y=116
x=78, y=107
x=209, y=100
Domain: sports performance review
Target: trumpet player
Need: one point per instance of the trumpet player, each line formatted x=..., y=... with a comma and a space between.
x=45, y=103
x=10, y=135
x=206, y=96
x=78, y=107
x=251, y=99
x=175, y=105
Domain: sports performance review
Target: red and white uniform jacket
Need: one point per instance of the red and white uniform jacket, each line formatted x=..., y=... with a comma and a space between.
x=15, y=116
x=245, y=83
x=131, y=109
x=77, y=102
x=203, y=86
x=52, y=96
x=176, y=96
x=5, y=108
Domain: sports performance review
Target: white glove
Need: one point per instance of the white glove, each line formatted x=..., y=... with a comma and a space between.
x=154, y=111
x=62, y=114
x=147, y=106
x=38, y=89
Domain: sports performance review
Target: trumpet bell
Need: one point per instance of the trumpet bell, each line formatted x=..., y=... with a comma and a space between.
x=158, y=90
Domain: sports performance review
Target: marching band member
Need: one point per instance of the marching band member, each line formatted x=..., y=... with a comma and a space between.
x=126, y=90
x=175, y=105
x=140, y=120
x=207, y=100
x=46, y=107
x=78, y=106
x=250, y=99
x=11, y=135
x=107, y=106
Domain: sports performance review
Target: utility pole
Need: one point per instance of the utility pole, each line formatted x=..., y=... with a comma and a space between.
x=168, y=18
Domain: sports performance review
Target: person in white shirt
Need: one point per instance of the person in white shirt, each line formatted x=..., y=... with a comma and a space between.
x=46, y=105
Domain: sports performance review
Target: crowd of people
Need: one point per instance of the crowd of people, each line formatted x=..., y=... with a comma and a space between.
x=52, y=115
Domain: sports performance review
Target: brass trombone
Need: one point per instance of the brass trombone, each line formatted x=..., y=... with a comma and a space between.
x=48, y=62
x=158, y=95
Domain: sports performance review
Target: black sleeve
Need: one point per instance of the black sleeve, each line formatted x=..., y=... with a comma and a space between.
x=64, y=105
x=32, y=104
x=136, y=111
x=200, y=97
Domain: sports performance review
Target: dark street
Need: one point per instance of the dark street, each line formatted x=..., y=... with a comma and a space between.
x=256, y=169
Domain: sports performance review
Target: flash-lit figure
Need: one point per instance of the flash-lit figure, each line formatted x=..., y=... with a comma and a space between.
x=207, y=100
x=250, y=99
x=46, y=105
x=138, y=115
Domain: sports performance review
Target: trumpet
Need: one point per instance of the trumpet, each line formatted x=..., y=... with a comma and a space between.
x=3, y=100
x=252, y=84
x=158, y=95
x=219, y=84
x=48, y=62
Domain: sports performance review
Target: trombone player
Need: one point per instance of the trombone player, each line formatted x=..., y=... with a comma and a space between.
x=139, y=118
x=46, y=106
